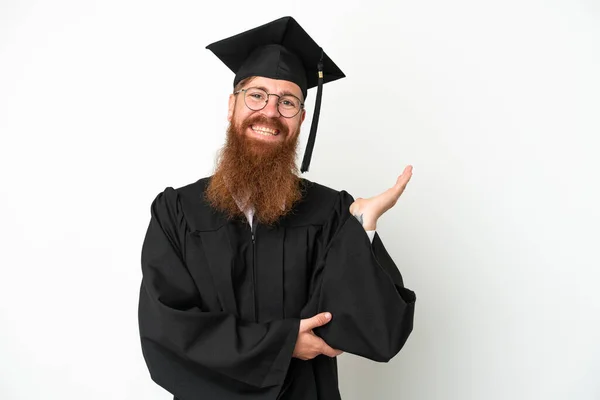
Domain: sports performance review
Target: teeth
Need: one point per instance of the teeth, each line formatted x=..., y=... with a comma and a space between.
x=264, y=131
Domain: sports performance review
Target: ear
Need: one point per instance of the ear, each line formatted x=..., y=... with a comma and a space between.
x=231, y=107
x=303, y=116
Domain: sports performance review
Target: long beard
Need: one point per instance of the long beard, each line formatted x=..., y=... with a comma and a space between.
x=258, y=174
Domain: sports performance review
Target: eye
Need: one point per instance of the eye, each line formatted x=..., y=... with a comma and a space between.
x=288, y=102
x=256, y=95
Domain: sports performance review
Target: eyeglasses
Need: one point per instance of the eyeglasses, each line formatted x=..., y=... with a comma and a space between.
x=256, y=99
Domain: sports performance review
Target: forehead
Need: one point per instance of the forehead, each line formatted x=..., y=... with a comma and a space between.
x=276, y=86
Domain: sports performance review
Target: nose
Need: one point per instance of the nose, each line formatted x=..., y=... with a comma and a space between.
x=270, y=109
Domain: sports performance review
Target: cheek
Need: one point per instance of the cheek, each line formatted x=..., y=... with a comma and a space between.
x=293, y=128
x=238, y=117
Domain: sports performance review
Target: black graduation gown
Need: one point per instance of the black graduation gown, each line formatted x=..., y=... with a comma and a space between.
x=219, y=311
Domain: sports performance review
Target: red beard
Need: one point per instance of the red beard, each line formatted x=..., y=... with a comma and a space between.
x=259, y=174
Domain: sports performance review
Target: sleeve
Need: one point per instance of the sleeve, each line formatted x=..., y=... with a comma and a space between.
x=190, y=351
x=359, y=283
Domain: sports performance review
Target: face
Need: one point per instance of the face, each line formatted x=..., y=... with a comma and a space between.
x=266, y=125
x=259, y=168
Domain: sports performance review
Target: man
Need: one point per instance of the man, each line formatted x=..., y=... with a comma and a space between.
x=254, y=279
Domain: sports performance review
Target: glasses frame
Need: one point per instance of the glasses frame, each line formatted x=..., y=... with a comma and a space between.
x=269, y=97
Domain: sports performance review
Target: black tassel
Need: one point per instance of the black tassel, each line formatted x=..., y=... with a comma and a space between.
x=315, y=121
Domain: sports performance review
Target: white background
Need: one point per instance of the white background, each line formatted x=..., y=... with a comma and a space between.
x=103, y=104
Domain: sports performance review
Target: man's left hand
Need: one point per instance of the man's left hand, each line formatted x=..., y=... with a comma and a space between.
x=374, y=207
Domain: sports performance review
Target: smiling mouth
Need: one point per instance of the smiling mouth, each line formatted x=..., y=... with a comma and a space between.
x=263, y=130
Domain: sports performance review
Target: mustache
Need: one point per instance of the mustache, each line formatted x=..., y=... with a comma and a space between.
x=263, y=120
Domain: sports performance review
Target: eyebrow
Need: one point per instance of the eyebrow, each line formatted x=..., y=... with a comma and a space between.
x=285, y=92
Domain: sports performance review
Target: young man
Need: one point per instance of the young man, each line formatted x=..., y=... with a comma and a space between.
x=254, y=279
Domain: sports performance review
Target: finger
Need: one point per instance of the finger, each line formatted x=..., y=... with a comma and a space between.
x=337, y=351
x=403, y=180
x=316, y=321
x=329, y=351
x=405, y=176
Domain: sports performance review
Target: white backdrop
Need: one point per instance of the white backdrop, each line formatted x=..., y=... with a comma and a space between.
x=496, y=105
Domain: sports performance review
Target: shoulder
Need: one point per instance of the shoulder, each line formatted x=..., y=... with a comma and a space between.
x=316, y=189
x=190, y=203
x=318, y=203
x=185, y=194
x=324, y=194
x=316, y=207
x=193, y=191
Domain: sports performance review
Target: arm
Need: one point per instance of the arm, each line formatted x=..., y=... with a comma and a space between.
x=361, y=286
x=190, y=350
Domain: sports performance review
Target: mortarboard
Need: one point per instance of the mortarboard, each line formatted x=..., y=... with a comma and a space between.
x=280, y=49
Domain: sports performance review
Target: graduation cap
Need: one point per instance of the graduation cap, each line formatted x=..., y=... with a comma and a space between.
x=280, y=49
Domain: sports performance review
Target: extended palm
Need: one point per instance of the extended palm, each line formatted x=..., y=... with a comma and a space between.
x=373, y=207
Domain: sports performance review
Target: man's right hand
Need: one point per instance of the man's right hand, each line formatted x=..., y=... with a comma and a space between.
x=309, y=345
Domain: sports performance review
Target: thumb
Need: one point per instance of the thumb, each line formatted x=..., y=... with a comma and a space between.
x=316, y=321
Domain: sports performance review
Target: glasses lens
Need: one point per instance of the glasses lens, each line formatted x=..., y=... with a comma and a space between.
x=288, y=106
x=256, y=99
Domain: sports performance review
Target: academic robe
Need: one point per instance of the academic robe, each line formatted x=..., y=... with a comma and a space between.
x=221, y=302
